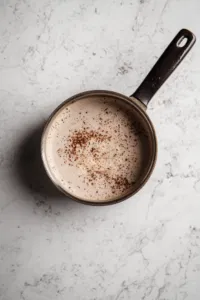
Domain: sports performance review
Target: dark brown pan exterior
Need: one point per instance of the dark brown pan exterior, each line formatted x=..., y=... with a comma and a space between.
x=139, y=108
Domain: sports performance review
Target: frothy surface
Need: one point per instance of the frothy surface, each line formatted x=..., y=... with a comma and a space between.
x=96, y=148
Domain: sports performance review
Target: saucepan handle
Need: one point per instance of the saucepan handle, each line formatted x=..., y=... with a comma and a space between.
x=166, y=64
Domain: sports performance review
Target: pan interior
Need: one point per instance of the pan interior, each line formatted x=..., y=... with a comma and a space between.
x=98, y=148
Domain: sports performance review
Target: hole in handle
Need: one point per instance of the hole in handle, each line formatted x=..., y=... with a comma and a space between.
x=182, y=42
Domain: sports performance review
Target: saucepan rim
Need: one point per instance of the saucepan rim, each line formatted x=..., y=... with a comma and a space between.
x=139, y=109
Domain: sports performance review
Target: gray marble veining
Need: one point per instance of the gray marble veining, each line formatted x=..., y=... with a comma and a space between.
x=50, y=248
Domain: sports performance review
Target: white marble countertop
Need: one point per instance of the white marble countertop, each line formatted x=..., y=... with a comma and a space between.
x=51, y=248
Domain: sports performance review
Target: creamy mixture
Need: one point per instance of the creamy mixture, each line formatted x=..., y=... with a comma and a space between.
x=96, y=148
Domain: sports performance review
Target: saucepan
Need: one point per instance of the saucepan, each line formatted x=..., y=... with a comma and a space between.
x=100, y=147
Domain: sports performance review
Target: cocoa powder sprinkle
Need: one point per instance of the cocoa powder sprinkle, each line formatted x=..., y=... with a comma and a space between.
x=79, y=139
